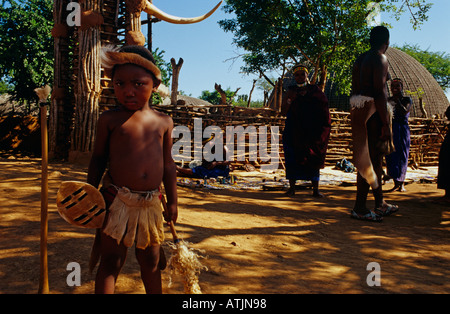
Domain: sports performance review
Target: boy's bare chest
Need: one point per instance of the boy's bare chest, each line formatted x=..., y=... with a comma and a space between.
x=138, y=130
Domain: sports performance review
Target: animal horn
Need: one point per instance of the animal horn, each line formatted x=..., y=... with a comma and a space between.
x=153, y=10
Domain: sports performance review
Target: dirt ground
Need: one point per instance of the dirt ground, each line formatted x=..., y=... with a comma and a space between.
x=254, y=241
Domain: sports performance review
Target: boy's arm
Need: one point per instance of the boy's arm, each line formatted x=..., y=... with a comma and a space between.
x=100, y=153
x=170, y=176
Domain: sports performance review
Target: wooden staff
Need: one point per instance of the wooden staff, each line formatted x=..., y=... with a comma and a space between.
x=43, y=277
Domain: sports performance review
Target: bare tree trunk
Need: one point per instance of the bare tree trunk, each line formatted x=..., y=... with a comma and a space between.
x=223, y=96
x=250, y=95
x=176, y=67
x=323, y=77
x=280, y=94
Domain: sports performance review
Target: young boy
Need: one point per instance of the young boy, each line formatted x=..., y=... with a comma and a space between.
x=135, y=141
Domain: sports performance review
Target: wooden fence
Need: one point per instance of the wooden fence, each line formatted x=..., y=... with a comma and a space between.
x=426, y=134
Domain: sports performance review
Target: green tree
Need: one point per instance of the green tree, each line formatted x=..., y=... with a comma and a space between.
x=166, y=72
x=5, y=88
x=417, y=9
x=214, y=98
x=437, y=63
x=326, y=35
x=26, y=46
x=277, y=34
x=211, y=97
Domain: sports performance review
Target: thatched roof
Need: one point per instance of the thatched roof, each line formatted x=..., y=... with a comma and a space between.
x=414, y=76
x=188, y=100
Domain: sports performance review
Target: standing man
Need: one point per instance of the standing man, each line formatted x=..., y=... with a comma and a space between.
x=371, y=125
x=306, y=132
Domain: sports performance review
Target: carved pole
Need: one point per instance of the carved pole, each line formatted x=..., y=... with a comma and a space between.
x=133, y=34
x=88, y=80
x=61, y=108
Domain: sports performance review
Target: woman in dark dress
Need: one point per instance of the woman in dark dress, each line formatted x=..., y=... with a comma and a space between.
x=397, y=162
x=306, y=132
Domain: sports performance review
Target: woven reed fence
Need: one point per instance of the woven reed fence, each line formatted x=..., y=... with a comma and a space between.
x=426, y=139
x=426, y=134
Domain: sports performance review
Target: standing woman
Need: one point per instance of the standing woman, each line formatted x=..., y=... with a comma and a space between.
x=397, y=162
x=306, y=132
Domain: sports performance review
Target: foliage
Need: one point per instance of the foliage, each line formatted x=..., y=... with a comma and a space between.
x=211, y=97
x=325, y=35
x=417, y=10
x=238, y=100
x=26, y=46
x=5, y=88
x=437, y=63
x=166, y=72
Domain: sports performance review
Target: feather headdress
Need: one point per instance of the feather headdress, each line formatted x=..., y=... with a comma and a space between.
x=112, y=56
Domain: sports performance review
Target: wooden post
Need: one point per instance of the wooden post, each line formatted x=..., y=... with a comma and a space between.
x=176, y=67
x=43, y=277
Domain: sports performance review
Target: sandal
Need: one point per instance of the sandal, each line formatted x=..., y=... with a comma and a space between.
x=370, y=216
x=386, y=210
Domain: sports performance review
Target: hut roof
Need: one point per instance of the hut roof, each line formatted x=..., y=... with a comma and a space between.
x=188, y=101
x=414, y=76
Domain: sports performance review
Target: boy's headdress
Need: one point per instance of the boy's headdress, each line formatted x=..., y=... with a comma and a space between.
x=112, y=56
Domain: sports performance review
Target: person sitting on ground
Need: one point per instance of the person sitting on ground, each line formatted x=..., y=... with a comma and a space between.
x=207, y=169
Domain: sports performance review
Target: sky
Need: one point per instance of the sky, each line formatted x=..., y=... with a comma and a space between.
x=210, y=56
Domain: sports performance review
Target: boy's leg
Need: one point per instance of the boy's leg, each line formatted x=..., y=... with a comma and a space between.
x=148, y=259
x=113, y=257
